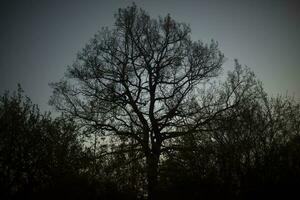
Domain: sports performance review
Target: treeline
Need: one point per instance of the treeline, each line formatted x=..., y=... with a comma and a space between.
x=250, y=152
x=254, y=154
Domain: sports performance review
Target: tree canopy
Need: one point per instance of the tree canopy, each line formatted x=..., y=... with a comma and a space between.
x=147, y=81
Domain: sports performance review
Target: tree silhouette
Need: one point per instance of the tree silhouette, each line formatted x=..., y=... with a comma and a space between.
x=251, y=154
x=145, y=80
x=36, y=151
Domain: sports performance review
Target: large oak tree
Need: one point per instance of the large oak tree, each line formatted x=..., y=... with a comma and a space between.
x=146, y=80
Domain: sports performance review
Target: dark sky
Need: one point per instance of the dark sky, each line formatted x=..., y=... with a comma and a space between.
x=38, y=39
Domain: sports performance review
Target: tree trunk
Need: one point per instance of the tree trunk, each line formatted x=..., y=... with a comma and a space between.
x=152, y=161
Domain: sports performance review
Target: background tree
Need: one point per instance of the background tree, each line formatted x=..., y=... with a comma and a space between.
x=36, y=152
x=205, y=164
x=250, y=155
x=145, y=80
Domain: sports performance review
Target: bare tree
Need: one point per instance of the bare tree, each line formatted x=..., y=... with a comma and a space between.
x=144, y=80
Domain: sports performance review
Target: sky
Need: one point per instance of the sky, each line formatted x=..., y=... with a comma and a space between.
x=40, y=38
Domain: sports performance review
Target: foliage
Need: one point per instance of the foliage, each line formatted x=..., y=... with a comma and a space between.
x=252, y=154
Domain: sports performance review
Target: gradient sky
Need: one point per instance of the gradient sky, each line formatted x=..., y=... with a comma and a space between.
x=38, y=39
